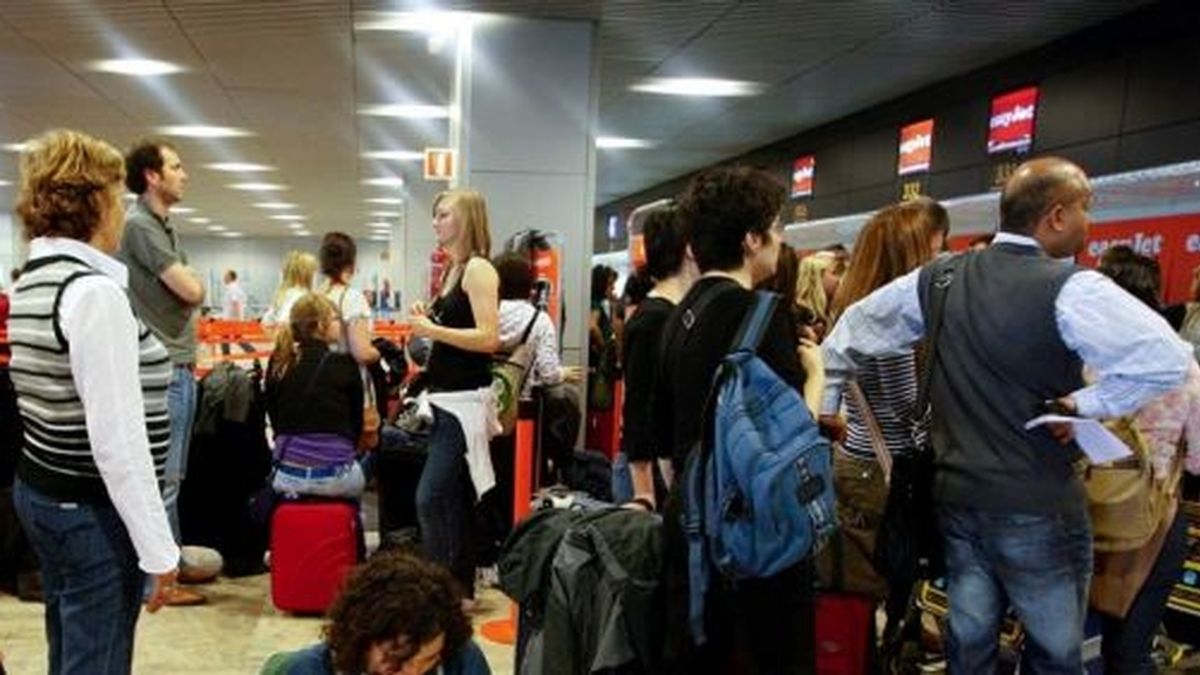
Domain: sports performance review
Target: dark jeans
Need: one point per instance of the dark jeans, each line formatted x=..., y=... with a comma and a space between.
x=1040, y=565
x=445, y=500
x=1127, y=642
x=92, y=584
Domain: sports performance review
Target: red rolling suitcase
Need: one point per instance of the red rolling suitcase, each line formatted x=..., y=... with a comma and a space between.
x=844, y=634
x=314, y=545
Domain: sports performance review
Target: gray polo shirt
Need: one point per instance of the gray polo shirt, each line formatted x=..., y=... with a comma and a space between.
x=149, y=246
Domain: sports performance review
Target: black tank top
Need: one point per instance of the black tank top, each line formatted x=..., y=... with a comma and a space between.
x=451, y=368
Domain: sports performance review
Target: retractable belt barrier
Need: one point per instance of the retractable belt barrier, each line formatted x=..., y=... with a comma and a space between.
x=216, y=332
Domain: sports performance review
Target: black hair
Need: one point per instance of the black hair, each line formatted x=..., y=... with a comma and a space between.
x=338, y=253
x=516, y=276
x=637, y=287
x=665, y=243
x=144, y=155
x=1139, y=275
x=721, y=206
x=602, y=276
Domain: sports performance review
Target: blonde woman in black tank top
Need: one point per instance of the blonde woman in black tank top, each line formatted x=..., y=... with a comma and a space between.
x=463, y=324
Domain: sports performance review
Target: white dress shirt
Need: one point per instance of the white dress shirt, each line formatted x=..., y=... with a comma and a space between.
x=1133, y=351
x=102, y=333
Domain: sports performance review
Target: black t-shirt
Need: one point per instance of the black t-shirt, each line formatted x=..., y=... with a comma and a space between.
x=451, y=368
x=687, y=372
x=640, y=364
x=311, y=401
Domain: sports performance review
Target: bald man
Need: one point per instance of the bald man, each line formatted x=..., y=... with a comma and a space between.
x=1018, y=322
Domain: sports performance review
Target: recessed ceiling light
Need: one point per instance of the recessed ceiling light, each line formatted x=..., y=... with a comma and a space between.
x=275, y=206
x=417, y=22
x=139, y=67
x=16, y=147
x=200, y=221
x=182, y=210
x=397, y=155
x=393, y=201
x=202, y=131
x=386, y=214
x=620, y=143
x=231, y=235
x=412, y=111
x=385, y=181
x=697, y=86
x=239, y=167
x=288, y=216
x=215, y=228
x=258, y=187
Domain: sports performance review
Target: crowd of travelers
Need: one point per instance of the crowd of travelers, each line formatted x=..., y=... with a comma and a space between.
x=895, y=351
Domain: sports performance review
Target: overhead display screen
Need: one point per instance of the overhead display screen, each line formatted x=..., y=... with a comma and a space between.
x=916, y=147
x=1010, y=127
x=802, y=176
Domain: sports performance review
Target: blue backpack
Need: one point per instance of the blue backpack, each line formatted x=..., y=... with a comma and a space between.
x=758, y=485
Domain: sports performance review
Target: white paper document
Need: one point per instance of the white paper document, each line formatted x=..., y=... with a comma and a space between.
x=1096, y=441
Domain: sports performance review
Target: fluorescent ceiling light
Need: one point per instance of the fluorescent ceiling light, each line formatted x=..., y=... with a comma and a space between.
x=620, y=143
x=258, y=187
x=231, y=235
x=385, y=181
x=239, y=167
x=410, y=111
x=17, y=147
x=200, y=221
x=302, y=233
x=296, y=226
x=216, y=228
x=202, y=131
x=386, y=226
x=130, y=196
x=276, y=206
x=393, y=201
x=417, y=22
x=5, y=182
x=697, y=86
x=396, y=214
x=288, y=216
x=182, y=210
x=139, y=67
x=397, y=155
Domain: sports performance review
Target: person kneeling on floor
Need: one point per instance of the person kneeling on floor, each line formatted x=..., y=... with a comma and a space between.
x=398, y=614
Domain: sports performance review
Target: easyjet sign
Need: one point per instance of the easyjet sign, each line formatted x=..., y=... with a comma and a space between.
x=1011, y=124
x=803, y=170
x=916, y=147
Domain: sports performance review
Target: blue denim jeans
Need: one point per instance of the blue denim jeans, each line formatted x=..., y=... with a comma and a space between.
x=445, y=500
x=622, y=479
x=181, y=407
x=348, y=483
x=1127, y=642
x=91, y=582
x=1040, y=565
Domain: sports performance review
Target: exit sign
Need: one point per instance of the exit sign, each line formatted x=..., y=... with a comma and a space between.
x=440, y=163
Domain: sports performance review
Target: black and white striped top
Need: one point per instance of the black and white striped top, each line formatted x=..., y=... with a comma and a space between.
x=890, y=386
x=57, y=457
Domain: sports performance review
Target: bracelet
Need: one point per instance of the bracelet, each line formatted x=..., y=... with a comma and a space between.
x=644, y=503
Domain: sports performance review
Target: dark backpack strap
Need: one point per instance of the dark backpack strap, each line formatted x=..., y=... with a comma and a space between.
x=754, y=325
x=529, y=327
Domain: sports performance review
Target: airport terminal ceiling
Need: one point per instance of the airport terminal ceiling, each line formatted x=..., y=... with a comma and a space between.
x=295, y=85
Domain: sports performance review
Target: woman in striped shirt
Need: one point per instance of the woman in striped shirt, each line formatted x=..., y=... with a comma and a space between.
x=879, y=404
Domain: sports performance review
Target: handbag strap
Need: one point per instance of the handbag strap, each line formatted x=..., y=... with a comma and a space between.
x=878, y=444
x=529, y=326
x=939, y=288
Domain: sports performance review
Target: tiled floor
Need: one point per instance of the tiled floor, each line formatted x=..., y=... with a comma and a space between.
x=232, y=634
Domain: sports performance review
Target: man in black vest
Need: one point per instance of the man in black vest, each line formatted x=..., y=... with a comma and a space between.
x=1019, y=323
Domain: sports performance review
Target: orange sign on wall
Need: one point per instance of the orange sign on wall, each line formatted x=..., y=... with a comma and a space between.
x=916, y=147
x=440, y=164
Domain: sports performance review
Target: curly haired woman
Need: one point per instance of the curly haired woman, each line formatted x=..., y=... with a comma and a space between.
x=398, y=615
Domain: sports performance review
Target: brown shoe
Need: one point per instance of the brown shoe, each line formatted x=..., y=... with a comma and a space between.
x=178, y=596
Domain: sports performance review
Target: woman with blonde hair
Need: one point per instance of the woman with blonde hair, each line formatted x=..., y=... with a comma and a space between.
x=296, y=280
x=463, y=325
x=818, y=279
x=91, y=386
x=895, y=241
x=315, y=401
